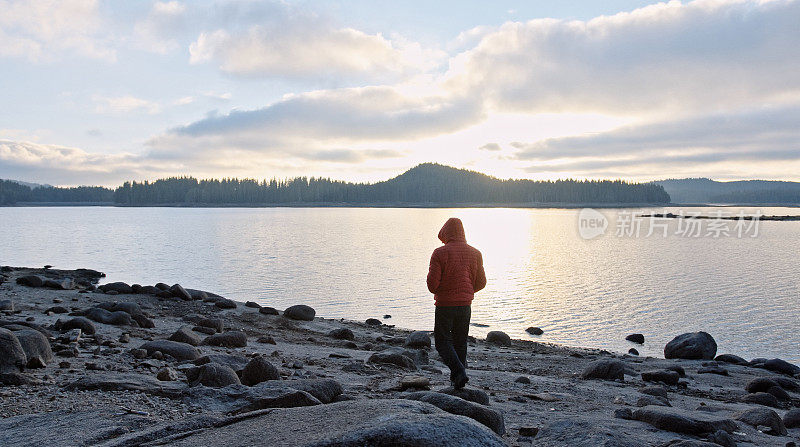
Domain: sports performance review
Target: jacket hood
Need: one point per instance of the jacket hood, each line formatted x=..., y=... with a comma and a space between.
x=452, y=231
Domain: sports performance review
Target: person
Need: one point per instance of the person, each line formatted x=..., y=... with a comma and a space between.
x=455, y=274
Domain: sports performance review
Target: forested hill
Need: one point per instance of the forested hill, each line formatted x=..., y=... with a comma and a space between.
x=425, y=184
x=703, y=190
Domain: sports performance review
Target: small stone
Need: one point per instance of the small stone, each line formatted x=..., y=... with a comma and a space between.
x=533, y=330
x=64, y=365
x=760, y=398
x=499, y=338
x=125, y=338
x=300, y=312
x=418, y=382
x=605, y=369
x=373, y=322
x=418, y=339
x=633, y=351
x=139, y=353
x=167, y=374
x=259, y=370
x=662, y=375
x=523, y=379
x=387, y=316
x=266, y=340
x=342, y=334
x=528, y=431
x=252, y=305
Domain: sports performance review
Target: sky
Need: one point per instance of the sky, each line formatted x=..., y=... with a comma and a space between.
x=100, y=92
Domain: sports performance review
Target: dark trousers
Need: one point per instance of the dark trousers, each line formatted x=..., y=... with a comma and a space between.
x=450, y=335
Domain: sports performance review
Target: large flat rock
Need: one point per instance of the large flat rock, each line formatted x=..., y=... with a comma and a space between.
x=350, y=424
x=128, y=382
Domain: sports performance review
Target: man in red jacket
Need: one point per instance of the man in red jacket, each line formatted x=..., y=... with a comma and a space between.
x=455, y=274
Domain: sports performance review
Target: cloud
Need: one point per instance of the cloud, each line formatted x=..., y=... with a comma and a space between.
x=322, y=119
x=124, y=104
x=310, y=50
x=158, y=31
x=767, y=134
x=490, y=147
x=66, y=165
x=45, y=30
x=661, y=59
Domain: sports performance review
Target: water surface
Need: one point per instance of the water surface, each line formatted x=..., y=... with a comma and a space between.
x=366, y=262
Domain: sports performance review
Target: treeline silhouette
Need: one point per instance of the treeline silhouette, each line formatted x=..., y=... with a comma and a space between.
x=703, y=190
x=427, y=183
x=12, y=193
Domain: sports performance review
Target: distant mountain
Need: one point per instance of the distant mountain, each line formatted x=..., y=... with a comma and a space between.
x=703, y=190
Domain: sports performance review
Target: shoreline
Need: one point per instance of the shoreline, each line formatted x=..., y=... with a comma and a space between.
x=541, y=392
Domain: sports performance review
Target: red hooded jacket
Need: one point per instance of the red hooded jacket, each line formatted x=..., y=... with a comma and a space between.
x=456, y=270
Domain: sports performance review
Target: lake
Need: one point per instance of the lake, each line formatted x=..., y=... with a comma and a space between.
x=357, y=263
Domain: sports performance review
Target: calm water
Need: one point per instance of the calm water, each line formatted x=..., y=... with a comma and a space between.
x=358, y=263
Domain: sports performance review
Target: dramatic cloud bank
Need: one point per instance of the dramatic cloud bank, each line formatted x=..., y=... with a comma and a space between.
x=708, y=83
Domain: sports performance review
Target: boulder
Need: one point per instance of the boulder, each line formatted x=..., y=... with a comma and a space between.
x=325, y=390
x=35, y=345
x=259, y=370
x=470, y=394
x=57, y=310
x=605, y=369
x=229, y=339
x=763, y=417
x=60, y=284
x=683, y=421
x=760, y=385
x=162, y=286
x=237, y=399
x=100, y=315
x=149, y=290
x=455, y=405
x=224, y=303
x=82, y=323
x=786, y=383
x=760, y=398
x=178, y=291
x=533, y=330
x=779, y=393
x=185, y=335
x=252, y=305
x=234, y=362
x=792, y=418
x=393, y=358
x=781, y=366
x=12, y=356
x=633, y=351
x=214, y=323
x=30, y=281
x=730, y=358
x=300, y=312
x=215, y=375
x=498, y=338
x=342, y=334
x=661, y=375
x=372, y=322
x=418, y=339
x=266, y=310
x=6, y=305
x=178, y=350
x=119, y=287
x=691, y=346
x=143, y=321
x=713, y=370
x=635, y=338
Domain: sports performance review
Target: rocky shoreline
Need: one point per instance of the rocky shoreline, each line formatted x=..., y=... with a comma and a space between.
x=125, y=365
